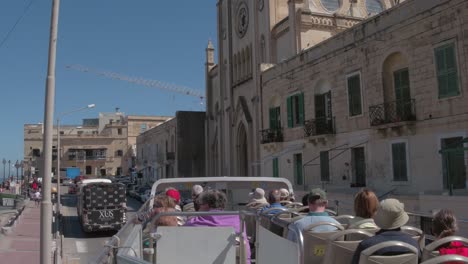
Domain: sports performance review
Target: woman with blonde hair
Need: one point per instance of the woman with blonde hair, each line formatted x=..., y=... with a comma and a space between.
x=365, y=207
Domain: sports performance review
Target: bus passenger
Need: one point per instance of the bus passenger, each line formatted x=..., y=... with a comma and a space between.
x=175, y=194
x=215, y=201
x=444, y=224
x=365, y=206
x=257, y=199
x=390, y=217
x=317, y=200
x=274, y=198
x=160, y=203
x=284, y=193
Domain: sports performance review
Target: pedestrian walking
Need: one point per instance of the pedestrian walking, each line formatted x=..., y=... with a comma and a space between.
x=37, y=197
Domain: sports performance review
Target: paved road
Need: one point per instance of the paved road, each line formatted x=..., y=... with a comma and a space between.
x=80, y=247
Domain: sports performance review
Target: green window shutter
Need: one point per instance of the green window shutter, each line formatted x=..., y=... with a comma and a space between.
x=272, y=118
x=298, y=169
x=290, y=111
x=324, y=166
x=278, y=117
x=354, y=95
x=301, y=108
x=399, y=162
x=447, y=72
x=401, y=79
x=320, y=106
x=275, y=168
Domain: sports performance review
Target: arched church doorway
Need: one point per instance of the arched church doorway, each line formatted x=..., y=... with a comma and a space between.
x=242, y=154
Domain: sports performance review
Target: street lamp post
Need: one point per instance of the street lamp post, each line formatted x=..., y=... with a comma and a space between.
x=22, y=175
x=17, y=166
x=46, y=203
x=59, y=153
x=4, y=162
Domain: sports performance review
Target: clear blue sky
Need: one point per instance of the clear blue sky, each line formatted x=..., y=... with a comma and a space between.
x=160, y=40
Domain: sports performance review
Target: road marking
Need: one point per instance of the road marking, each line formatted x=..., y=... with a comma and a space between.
x=81, y=246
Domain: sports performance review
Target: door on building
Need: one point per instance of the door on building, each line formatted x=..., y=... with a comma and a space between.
x=298, y=173
x=103, y=172
x=323, y=114
x=402, y=94
x=242, y=155
x=89, y=170
x=359, y=167
x=453, y=164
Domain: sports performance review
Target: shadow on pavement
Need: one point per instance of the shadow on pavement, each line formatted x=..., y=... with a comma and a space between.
x=72, y=229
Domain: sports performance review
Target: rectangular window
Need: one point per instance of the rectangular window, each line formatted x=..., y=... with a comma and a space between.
x=354, y=95
x=400, y=172
x=275, y=168
x=119, y=131
x=358, y=166
x=447, y=72
x=275, y=121
x=142, y=128
x=88, y=170
x=324, y=166
x=298, y=176
x=295, y=104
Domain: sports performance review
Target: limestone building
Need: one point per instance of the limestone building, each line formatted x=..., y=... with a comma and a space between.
x=252, y=36
x=102, y=146
x=173, y=149
x=367, y=106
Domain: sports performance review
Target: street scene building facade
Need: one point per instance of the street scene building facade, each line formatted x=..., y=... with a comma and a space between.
x=173, y=149
x=364, y=96
x=99, y=146
x=252, y=36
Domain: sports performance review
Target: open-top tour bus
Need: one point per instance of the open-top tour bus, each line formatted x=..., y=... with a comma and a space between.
x=266, y=233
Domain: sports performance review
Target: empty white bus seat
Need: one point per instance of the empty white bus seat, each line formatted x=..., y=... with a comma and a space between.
x=315, y=243
x=341, y=251
x=343, y=219
x=294, y=205
x=431, y=250
x=416, y=233
x=367, y=256
x=446, y=259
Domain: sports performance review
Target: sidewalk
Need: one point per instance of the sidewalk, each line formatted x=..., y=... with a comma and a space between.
x=22, y=245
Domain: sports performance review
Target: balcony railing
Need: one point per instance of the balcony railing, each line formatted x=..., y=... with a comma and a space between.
x=319, y=126
x=392, y=112
x=271, y=135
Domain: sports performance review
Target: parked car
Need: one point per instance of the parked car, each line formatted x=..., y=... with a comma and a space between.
x=139, y=191
x=145, y=196
x=80, y=178
x=133, y=190
x=72, y=188
x=68, y=182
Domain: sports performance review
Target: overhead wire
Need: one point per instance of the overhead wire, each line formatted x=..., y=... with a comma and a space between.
x=16, y=23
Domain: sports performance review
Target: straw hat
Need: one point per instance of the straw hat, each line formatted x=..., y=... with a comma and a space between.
x=391, y=214
x=284, y=193
x=257, y=196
